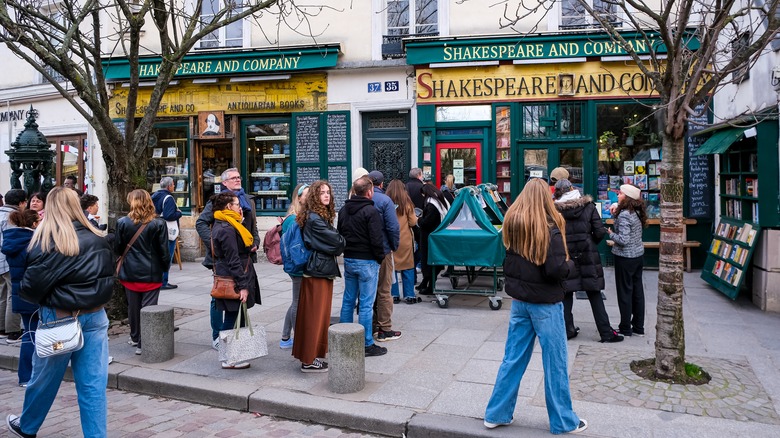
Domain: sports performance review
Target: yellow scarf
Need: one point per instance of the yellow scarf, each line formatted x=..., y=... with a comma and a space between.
x=232, y=218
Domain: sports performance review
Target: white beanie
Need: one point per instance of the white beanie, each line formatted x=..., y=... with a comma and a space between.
x=631, y=191
x=359, y=173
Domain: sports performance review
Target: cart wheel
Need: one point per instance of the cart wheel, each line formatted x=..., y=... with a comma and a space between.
x=500, y=285
x=495, y=304
x=444, y=302
x=454, y=281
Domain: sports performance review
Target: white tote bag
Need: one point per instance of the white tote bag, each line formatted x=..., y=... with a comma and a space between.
x=242, y=343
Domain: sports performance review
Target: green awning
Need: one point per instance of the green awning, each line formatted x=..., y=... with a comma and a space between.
x=720, y=141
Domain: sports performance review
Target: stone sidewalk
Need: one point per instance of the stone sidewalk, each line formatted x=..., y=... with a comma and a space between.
x=437, y=378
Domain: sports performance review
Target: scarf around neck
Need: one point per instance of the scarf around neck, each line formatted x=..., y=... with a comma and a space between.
x=441, y=208
x=569, y=196
x=233, y=218
x=242, y=199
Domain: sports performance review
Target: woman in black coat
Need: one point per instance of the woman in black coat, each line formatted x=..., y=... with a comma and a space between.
x=232, y=244
x=147, y=258
x=435, y=209
x=584, y=231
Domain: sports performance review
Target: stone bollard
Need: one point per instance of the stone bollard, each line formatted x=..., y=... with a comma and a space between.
x=156, y=334
x=346, y=358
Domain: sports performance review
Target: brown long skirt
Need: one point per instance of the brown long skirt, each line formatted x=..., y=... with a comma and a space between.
x=313, y=319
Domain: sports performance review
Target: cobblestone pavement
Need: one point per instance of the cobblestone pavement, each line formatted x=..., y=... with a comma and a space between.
x=603, y=375
x=138, y=416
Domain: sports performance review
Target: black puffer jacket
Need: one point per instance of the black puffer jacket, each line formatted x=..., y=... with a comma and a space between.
x=543, y=284
x=233, y=259
x=584, y=230
x=148, y=258
x=361, y=226
x=326, y=244
x=64, y=282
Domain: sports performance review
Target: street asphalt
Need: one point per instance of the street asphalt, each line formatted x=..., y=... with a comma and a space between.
x=436, y=379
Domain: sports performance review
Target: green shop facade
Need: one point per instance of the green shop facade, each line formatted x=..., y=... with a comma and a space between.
x=503, y=110
x=261, y=111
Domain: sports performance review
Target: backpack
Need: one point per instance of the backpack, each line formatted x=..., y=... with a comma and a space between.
x=271, y=244
x=294, y=251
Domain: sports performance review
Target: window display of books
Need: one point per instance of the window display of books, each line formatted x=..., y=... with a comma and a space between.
x=729, y=255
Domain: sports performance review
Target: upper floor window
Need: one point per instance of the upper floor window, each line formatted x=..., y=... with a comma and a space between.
x=56, y=34
x=412, y=17
x=575, y=16
x=231, y=35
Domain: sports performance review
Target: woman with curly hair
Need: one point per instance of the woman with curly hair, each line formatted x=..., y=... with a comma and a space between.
x=319, y=235
x=146, y=259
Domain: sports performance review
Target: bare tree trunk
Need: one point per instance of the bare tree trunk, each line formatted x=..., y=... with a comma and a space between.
x=670, y=329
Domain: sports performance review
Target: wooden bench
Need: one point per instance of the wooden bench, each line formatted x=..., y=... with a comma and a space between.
x=687, y=244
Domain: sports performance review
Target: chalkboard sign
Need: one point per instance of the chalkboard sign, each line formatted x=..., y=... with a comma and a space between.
x=337, y=137
x=307, y=174
x=307, y=139
x=338, y=179
x=699, y=169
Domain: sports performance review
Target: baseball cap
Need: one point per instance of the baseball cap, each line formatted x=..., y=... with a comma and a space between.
x=376, y=177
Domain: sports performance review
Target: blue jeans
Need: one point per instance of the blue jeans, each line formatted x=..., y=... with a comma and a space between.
x=171, y=248
x=407, y=279
x=90, y=373
x=526, y=322
x=360, y=280
x=27, y=349
x=217, y=317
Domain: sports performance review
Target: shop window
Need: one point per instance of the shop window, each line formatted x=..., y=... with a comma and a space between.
x=168, y=157
x=535, y=163
x=408, y=18
x=503, y=151
x=575, y=16
x=536, y=121
x=560, y=120
x=268, y=160
x=738, y=45
x=69, y=158
x=463, y=113
x=231, y=35
x=629, y=152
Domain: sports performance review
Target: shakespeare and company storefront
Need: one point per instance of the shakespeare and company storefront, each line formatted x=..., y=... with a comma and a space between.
x=262, y=111
x=503, y=110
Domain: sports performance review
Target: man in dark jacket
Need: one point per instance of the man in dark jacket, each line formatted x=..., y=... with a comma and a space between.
x=165, y=206
x=391, y=238
x=231, y=181
x=361, y=226
x=414, y=187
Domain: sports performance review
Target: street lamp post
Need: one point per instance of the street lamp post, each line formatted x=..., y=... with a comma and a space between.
x=31, y=156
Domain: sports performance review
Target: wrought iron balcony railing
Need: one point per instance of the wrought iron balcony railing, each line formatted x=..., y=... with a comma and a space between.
x=392, y=47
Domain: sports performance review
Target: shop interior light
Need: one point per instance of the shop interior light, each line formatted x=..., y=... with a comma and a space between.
x=205, y=81
x=260, y=78
x=462, y=64
x=547, y=61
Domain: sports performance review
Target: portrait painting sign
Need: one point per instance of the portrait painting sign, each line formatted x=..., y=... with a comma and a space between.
x=211, y=124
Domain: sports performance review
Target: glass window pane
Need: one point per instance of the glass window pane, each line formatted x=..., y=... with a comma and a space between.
x=535, y=121
x=427, y=17
x=268, y=160
x=398, y=17
x=463, y=113
x=535, y=163
x=503, y=142
x=167, y=151
x=572, y=160
x=459, y=162
x=570, y=119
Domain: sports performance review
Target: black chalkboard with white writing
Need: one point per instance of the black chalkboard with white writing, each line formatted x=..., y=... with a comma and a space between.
x=700, y=176
x=307, y=174
x=307, y=139
x=337, y=136
x=339, y=181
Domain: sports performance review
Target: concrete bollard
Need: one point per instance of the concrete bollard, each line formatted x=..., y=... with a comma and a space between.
x=156, y=334
x=346, y=358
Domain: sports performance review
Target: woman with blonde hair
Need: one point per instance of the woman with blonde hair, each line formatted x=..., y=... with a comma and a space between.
x=142, y=237
x=536, y=262
x=403, y=257
x=296, y=205
x=69, y=273
x=311, y=325
x=448, y=188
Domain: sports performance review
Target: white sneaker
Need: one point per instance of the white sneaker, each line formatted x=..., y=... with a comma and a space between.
x=235, y=366
x=138, y=351
x=490, y=425
x=215, y=344
x=132, y=343
x=582, y=426
x=110, y=359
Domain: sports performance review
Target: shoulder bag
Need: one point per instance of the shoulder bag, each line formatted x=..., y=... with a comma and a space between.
x=224, y=287
x=127, y=248
x=59, y=336
x=242, y=343
x=173, y=226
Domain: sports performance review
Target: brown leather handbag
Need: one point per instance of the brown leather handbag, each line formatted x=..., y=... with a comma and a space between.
x=224, y=288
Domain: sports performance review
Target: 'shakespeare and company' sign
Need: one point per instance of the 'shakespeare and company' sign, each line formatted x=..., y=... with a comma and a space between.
x=444, y=50
x=303, y=92
x=531, y=82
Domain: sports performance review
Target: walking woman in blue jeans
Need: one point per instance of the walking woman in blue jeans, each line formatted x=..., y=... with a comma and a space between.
x=69, y=272
x=536, y=262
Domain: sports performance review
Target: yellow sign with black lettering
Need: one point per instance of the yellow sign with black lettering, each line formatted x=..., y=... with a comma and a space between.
x=532, y=82
x=304, y=92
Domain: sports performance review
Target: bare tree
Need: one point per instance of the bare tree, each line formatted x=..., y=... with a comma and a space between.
x=66, y=42
x=698, y=46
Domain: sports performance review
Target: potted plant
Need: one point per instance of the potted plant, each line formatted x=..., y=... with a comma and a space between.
x=633, y=128
x=607, y=138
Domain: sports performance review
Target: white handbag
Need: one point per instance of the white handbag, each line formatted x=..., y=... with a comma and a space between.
x=242, y=343
x=58, y=337
x=173, y=226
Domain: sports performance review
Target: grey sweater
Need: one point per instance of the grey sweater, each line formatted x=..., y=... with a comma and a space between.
x=627, y=236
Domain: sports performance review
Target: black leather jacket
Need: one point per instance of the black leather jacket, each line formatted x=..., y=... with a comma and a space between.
x=206, y=221
x=326, y=244
x=148, y=258
x=64, y=282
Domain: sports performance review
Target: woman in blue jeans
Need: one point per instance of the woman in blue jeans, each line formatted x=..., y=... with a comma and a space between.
x=15, y=241
x=536, y=262
x=70, y=272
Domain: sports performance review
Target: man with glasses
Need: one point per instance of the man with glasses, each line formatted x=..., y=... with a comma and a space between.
x=10, y=323
x=231, y=181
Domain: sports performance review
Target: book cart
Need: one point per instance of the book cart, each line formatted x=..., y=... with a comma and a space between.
x=729, y=255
